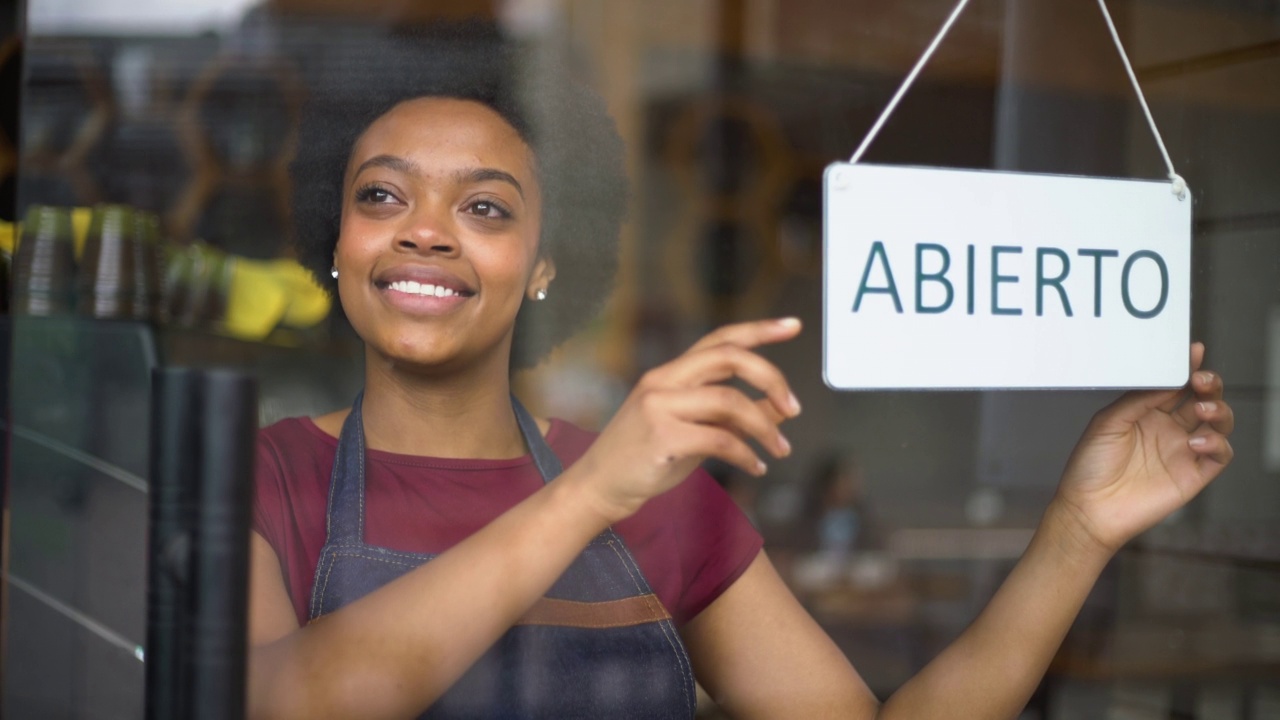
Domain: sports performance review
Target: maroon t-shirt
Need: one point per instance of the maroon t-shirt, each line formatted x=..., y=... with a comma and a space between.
x=691, y=542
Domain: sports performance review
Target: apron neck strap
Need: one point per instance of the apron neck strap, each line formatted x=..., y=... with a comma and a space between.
x=345, y=516
x=543, y=457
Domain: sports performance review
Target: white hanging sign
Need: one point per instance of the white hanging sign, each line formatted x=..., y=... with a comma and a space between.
x=939, y=278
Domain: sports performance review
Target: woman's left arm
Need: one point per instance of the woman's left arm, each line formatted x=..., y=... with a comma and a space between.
x=760, y=655
x=1141, y=458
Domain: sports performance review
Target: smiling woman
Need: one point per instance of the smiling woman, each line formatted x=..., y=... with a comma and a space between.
x=464, y=240
x=573, y=158
x=412, y=555
x=435, y=197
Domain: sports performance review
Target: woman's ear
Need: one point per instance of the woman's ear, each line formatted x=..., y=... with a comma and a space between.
x=544, y=272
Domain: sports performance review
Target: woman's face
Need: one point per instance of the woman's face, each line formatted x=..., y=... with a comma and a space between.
x=438, y=245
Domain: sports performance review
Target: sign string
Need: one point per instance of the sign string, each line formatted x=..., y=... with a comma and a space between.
x=1179, y=185
x=911, y=77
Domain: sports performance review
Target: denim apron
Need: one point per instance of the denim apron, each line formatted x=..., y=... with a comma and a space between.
x=599, y=644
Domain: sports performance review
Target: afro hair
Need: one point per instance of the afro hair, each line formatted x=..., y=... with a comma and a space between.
x=579, y=157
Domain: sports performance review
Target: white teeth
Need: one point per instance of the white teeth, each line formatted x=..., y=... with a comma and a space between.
x=426, y=289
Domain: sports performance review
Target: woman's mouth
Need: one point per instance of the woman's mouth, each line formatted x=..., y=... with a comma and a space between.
x=413, y=287
x=431, y=293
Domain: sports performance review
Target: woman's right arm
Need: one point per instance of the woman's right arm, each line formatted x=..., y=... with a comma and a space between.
x=392, y=653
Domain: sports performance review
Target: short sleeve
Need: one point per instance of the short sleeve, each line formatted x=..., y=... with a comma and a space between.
x=717, y=542
x=268, y=495
x=290, y=495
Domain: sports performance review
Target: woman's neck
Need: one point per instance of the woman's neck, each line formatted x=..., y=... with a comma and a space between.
x=466, y=414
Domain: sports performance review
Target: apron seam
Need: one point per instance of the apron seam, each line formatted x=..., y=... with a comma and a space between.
x=333, y=556
x=360, y=486
x=378, y=549
x=681, y=656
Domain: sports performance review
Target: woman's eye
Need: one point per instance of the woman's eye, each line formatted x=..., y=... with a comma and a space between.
x=488, y=209
x=374, y=194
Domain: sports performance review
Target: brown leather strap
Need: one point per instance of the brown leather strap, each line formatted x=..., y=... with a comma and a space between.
x=614, y=613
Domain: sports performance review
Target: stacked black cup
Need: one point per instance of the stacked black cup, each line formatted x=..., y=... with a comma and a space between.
x=104, y=286
x=148, y=289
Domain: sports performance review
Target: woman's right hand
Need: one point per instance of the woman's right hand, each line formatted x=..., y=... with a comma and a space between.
x=681, y=413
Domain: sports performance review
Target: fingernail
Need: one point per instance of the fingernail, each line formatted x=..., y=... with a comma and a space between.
x=1198, y=441
x=761, y=468
x=1207, y=407
x=794, y=403
x=789, y=322
x=784, y=444
x=1204, y=377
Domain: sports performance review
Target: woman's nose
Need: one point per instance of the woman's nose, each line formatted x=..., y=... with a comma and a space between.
x=428, y=230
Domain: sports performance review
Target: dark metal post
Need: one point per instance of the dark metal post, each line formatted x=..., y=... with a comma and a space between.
x=220, y=555
x=175, y=457
x=204, y=425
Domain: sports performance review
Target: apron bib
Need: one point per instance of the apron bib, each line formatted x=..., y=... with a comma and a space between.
x=599, y=644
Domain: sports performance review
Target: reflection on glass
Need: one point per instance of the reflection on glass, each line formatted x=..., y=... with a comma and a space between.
x=44, y=265
x=729, y=110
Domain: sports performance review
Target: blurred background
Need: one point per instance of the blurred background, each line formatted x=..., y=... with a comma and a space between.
x=156, y=136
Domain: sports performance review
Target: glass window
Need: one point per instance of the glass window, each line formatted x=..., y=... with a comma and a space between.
x=897, y=515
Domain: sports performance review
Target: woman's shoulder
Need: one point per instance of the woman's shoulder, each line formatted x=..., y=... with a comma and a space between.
x=329, y=423
x=293, y=463
x=284, y=440
x=298, y=427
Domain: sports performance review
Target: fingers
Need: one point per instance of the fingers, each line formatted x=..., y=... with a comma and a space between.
x=683, y=412
x=766, y=406
x=1176, y=401
x=723, y=445
x=725, y=353
x=1214, y=453
x=713, y=364
x=1209, y=407
x=1207, y=386
x=1208, y=417
x=727, y=408
x=1205, y=404
x=711, y=441
x=751, y=334
x=1197, y=355
x=1200, y=400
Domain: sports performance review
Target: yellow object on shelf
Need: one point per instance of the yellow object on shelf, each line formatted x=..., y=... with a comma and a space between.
x=80, y=218
x=309, y=303
x=265, y=294
x=8, y=237
x=261, y=295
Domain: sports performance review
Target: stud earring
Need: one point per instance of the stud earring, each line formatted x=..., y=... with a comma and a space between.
x=334, y=272
x=540, y=295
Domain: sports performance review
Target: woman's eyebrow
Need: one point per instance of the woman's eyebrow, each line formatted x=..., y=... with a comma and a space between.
x=474, y=175
x=391, y=162
x=477, y=175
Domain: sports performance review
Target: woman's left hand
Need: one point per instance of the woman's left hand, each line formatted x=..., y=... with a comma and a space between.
x=1144, y=456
